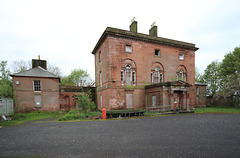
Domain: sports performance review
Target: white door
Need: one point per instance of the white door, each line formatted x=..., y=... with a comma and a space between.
x=154, y=101
x=129, y=100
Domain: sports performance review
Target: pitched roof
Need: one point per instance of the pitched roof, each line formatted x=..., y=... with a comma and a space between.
x=143, y=37
x=35, y=72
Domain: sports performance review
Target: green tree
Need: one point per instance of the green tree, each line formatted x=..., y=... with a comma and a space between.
x=84, y=102
x=230, y=65
x=211, y=77
x=78, y=77
x=229, y=75
x=5, y=82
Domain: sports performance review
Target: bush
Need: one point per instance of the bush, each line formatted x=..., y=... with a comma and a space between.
x=84, y=103
x=77, y=114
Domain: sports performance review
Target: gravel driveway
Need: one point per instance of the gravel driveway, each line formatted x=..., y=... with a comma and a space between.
x=185, y=135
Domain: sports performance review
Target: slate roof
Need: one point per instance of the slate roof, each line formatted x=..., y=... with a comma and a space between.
x=35, y=72
x=143, y=37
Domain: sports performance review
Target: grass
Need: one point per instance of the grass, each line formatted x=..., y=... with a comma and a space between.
x=31, y=116
x=217, y=109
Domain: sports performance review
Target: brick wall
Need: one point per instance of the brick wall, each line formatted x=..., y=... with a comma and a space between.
x=24, y=94
x=113, y=58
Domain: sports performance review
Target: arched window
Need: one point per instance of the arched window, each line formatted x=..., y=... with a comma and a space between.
x=156, y=75
x=181, y=75
x=128, y=75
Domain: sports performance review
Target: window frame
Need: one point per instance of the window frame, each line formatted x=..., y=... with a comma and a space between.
x=37, y=87
x=122, y=77
x=128, y=73
x=100, y=57
x=158, y=52
x=128, y=50
x=100, y=79
x=181, y=56
x=134, y=78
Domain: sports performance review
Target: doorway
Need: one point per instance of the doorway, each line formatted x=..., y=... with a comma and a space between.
x=179, y=99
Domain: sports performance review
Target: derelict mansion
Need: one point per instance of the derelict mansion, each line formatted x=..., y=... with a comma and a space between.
x=134, y=70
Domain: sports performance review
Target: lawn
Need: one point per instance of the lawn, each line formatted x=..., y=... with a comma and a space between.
x=31, y=116
x=217, y=109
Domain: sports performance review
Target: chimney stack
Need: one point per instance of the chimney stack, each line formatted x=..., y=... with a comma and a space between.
x=133, y=26
x=38, y=62
x=153, y=30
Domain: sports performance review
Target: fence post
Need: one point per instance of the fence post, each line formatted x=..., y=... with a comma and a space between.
x=104, y=116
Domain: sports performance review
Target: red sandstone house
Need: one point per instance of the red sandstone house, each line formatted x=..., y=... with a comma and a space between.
x=36, y=89
x=134, y=71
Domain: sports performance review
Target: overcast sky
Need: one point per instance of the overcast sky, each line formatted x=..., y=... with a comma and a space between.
x=64, y=32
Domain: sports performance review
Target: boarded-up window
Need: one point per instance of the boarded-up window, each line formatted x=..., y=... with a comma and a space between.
x=197, y=100
x=100, y=76
x=154, y=100
x=101, y=101
x=129, y=100
x=38, y=101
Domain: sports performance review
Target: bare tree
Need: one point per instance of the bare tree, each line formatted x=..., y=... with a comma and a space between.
x=54, y=70
x=20, y=65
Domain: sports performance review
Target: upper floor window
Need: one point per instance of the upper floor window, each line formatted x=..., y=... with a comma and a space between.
x=37, y=86
x=181, y=56
x=157, y=52
x=128, y=76
x=122, y=77
x=156, y=76
x=134, y=78
x=181, y=76
x=128, y=48
x=100, y=76
x=100, y=57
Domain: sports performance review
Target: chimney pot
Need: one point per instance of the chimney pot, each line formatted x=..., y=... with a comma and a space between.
x=153, y=30
x=133, y=26
x=38, y=62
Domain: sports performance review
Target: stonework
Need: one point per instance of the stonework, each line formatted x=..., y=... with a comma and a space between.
x=130, y=61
